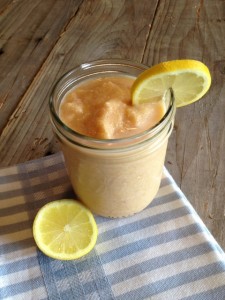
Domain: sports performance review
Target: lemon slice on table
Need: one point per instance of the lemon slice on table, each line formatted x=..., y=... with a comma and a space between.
x=189, y=79
x=65, y=229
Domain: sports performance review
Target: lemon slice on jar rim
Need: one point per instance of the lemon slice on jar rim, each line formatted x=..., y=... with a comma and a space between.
x=189, y=80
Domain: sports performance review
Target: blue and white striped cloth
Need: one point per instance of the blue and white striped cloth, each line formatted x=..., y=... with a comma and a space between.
x=164, y=252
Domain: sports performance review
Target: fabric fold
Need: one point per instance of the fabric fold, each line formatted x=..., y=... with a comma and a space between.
x=163, y=252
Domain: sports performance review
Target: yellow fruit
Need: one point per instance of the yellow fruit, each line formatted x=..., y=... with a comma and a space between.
x=65, y=229
x=189, y=79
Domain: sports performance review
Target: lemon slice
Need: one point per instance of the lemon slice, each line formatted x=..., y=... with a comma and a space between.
x=65, y=229
x=189, y=79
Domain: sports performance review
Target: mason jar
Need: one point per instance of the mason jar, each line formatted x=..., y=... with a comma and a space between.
x=112, y=177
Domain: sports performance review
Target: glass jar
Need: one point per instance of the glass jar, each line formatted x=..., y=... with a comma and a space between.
x=117, y=177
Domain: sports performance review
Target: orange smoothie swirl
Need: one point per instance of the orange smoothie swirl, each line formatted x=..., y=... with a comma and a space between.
x=102, y=108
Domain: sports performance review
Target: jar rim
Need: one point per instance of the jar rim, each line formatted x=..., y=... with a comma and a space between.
x=64, y=129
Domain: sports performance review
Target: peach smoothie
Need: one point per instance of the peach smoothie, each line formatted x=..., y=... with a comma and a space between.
x=114, y=151
x=102, y=109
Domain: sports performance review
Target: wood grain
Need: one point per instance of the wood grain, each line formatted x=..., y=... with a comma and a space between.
x=4, y=5
x=25, y=44
x=195, y=154
x=100, y=29
x=50, y=37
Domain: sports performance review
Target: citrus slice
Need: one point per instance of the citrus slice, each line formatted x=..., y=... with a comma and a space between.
x=189, y=79
x=65, y=229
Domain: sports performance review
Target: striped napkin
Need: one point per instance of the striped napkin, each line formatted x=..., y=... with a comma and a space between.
x=164, y=252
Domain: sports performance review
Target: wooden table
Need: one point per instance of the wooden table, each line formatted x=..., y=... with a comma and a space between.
x=40, y=40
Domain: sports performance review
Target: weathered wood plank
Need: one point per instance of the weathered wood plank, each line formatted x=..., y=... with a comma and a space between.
x=28, y=31
x=4, y=5
x=100, y=29
x=194, y=29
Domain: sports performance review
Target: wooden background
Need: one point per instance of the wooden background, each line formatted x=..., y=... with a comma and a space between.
x=42, y=39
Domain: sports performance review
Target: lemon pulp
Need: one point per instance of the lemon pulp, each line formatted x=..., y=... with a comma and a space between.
x=189, y=79
x=65, y=229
